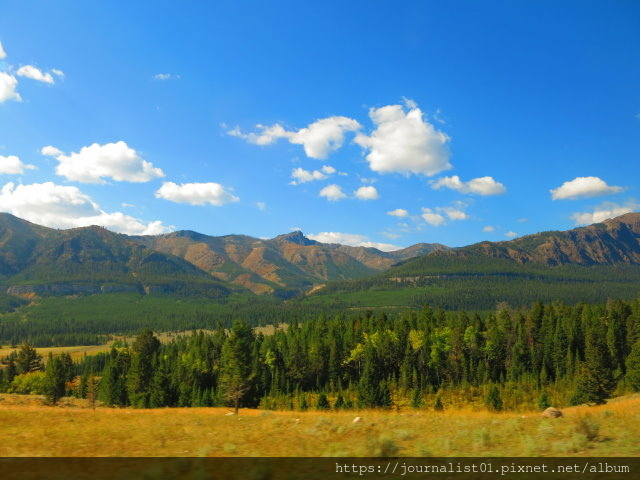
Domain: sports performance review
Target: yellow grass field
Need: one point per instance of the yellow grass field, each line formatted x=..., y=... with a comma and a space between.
x=73, y=429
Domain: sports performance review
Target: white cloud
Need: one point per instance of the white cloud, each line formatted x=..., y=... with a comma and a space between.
x=51, y=151
x=404, y=142
x=603, y=212
x=59, y=206
x=319, y=139
x=300, y=175
x=165, y=76
x=332, y=193
x=12, y=165
x=398, y=212
x=511, y=234
x=8, y=85
x=262, y=206
x=29, y=71
x=488, y=229
x=583, y=187
x=367, y=193
x=351, y=239
x=432, y=218
x=3, y=54
x=391, y=235
x=196, y=193
x=436, y=216
x=453, y=213
x=479, y=186
x=57, y=72
x=96, y=162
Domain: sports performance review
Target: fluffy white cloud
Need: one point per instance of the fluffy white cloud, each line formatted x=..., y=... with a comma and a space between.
x=432, y=218
x=59, y=206
x=404, y=142
x=603, y=212
x=367, y=193
x=333, y=193
x=488, y=229
x=51, y=151
x=478, y=186
x=319, y=139
x=196, y=193
x=12, y=165
x=96, y=162
x=57, y=72
x=398, y=212
x=583, y=187
x=511, y=234
x=454, y=213
x=438, y=216
x=352, y=240
x=8, y=85
x=29, y=71
x=3, y=54
x=300, y=175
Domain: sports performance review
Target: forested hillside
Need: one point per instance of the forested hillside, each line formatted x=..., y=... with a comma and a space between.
x=545, y=354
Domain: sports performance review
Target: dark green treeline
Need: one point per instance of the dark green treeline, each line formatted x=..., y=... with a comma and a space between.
x=508, y=359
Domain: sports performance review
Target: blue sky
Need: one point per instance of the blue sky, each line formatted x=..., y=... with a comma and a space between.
x=373, y=123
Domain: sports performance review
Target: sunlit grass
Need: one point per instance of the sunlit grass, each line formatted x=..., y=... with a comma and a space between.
x=29, y=429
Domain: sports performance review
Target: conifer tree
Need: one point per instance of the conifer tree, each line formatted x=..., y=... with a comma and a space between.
x=236, y=375
x=493, y=401
x=633, y=367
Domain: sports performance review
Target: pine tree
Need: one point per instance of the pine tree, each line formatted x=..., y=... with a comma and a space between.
x=236, y=375
x=28, y=360
x=595, y=377
x=416, y=398
x=140, y=374
x=438, y=405
x=633, y=367
x=493, y=401
x=55, y=378
x=323, y=402
x=543, y=401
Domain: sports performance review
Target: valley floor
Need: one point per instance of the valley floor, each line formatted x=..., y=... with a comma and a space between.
x=72, y=429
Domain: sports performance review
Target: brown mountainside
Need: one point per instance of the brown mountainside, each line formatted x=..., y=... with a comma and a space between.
x=614, y=241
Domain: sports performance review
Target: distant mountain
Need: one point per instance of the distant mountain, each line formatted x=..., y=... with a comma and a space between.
x=283, y=265
x=584, y=264
x=614, y=241
x=45, y=261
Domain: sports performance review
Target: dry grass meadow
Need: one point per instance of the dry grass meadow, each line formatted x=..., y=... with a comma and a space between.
x=72, y=429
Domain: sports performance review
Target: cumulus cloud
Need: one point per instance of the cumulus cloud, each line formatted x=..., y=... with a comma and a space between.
x=57, y=72
x=398, y=212
x=511, y=234
x=51, y=151
x=196, y=193
x=479, y=186
x=95, y=163
x=319, y=139
x=583, y=187
x=438, y=216
x=12, y=165
x=300, y=175
x=432, y=218
x=59, y=206
x=603, y=212
x=404, y=142
x=8, y=85
x=367, y=193
x=351, y=239
x=29, y=71
x=488, y=229
x=332, y=193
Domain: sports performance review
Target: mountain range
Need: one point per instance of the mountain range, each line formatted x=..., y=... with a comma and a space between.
x=36, y=260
